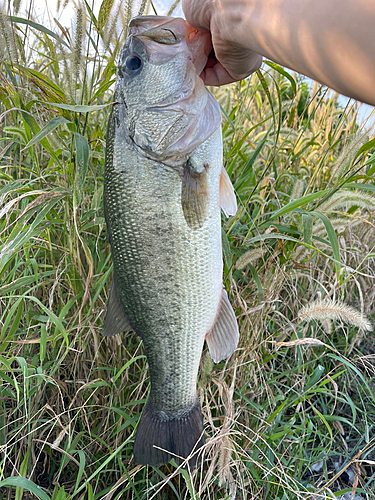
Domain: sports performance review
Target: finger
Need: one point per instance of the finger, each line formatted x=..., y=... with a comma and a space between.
x=216, y=74
x=198, y=13
x=238, y=61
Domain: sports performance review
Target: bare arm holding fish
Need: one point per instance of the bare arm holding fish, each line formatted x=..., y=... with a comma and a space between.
x=332, y=42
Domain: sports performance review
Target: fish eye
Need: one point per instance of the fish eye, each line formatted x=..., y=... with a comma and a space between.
x=133, y=63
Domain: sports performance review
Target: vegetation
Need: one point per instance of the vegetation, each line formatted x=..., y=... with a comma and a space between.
x=299, y=264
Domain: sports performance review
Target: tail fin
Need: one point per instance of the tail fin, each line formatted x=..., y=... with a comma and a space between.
x=181, y=437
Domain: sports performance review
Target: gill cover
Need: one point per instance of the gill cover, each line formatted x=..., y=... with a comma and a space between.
x=169, y=111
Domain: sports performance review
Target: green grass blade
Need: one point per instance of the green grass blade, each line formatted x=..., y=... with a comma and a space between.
x=39, y=27
x=357, y=185
x=82, y=464
x=26, y=484
x=282, y=71
x=126, y=365
x=332, y=238
x=79, y=108
x=307, y=222
x=254, y=274
x=304, y=200
x=47, y=129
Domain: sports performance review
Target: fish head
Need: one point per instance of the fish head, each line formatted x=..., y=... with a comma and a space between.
x=169, y=111
x=154, y=62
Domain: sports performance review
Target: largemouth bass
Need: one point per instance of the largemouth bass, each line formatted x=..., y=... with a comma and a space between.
x=164, y=187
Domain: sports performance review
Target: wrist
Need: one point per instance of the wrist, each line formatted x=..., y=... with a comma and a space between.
x=233, y=21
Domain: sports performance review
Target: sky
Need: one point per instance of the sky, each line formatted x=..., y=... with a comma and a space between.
x=65, y=17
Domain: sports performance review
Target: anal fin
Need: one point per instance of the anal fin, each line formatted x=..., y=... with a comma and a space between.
x=222, y=339
x=115, y=319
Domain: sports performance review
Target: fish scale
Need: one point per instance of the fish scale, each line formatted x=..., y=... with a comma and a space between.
x=166, y=249
x=166, y=272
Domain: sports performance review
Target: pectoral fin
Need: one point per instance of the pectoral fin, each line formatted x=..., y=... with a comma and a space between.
x=222, y=340
x=227, y=197
x=194, y=194
x=115, y=319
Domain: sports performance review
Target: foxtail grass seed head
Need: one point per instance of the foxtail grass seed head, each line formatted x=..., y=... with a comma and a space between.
x=8, y=49
x=300, y=252
x=321, y=310
x=249, y=257
x=110, y=29
x=304, y=169
x=173, y=7
x=16, y=5
x=255, y=198
x=142, y=7
x=348, y=199
x=67, y=74
x=347, y=155
x=113, y=28
x=297, y=190
x=313, y=102
x=126, y=13
x=79, y=38
x=330, y=121
x=333, y=201
x=339, y=225
x=327, y=326
x=64, y=4
x=58, y=440
x=224, y=460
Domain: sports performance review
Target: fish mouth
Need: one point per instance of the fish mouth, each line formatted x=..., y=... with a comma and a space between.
x=161, y=29
x=166, y=30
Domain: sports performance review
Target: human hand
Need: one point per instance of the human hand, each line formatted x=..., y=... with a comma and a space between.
x=229, y=61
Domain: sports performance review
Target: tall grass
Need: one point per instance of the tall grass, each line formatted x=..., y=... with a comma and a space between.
x=299, y=265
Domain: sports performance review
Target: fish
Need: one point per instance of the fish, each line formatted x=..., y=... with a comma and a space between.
x=164, y=188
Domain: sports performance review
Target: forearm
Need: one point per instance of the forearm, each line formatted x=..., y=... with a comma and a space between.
x=332, y=41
